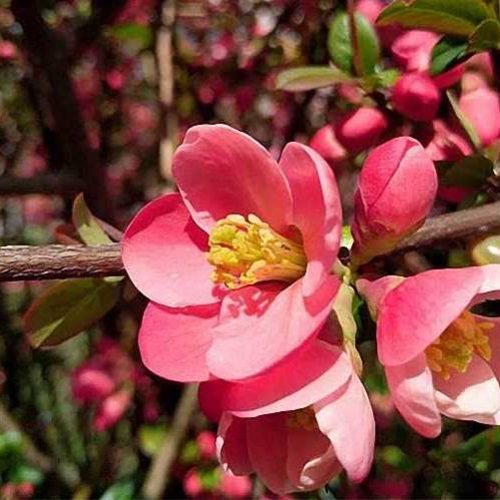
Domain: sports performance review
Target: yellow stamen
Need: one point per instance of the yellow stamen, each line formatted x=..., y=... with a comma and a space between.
x=304, y=418
x=454, y=348
x=246, y=251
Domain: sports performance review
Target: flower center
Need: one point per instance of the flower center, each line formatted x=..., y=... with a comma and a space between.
x=304, y=418
x=246, y=251
x=456, y=345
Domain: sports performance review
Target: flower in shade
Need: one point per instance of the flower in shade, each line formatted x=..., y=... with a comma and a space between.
x=441, y=356
x=239, y=262
x=386, y=210
x=296, y=432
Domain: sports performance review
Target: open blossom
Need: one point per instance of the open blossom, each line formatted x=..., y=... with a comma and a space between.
x=440, y=355
x=296, y=432
x=396, y=190
x=239, y=261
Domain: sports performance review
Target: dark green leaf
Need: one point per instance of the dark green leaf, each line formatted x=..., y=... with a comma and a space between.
x=470, y=172
x=451, y=17
x=309, y=78
x=340, y=44
x=67, y=308
x=86, y=224
x=448, y=52
x=137, y=33
x=486, y=36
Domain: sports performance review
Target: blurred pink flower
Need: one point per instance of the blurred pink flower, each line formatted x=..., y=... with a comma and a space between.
x=111, y=410
x=191, y=483
x=412, y=50
x=235, y=486
x=91, y=384
x=416, y=97
x=386, y=210
x=360, y=129
x=327, y=145
x=205, y=441
x=8, y=50
x=439, y=356
x=277, y=280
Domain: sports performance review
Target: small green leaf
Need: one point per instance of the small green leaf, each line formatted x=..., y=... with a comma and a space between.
x=123, y=490
x=309, y=78
x=86, y=224
x=486, y=36
x=451, y=17
x=151, y=437
x=381, y=79
x=11, y=444
x=340, y=46
x=469, y=172
x=448, y=52
x=67, y=308
x=137, y=33
x=464, y=121
x=22, y=473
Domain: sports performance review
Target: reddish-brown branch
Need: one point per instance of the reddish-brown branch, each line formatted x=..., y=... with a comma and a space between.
x=59, y=261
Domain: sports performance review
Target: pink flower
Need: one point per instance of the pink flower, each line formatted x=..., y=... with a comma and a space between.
x=271, y=231
x=91, y=384
x=360, y=129
x=235, y=486
x=482, y=108
x=7, y=50
x=111, y=410
x=396, y=190
x=327, y=145
x=440, y=357
x=416, y=97
x=192, y=484
x=412, y=49
x=205, y=441
x=295, y=432
x=370, y=9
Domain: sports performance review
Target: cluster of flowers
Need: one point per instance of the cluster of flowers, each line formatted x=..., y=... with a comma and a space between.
x=248, y=298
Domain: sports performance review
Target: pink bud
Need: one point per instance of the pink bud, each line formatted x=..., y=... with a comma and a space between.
x=360, y=129
x=412, y=50
x=192, y=483
x=370, y=9
x=235, y=486
x=111, y=410
x=482, y=108
x=206, y=444
x=396, y=190
x=327, y=145
x=90, y=384
x=7, y=50
x=416, y=97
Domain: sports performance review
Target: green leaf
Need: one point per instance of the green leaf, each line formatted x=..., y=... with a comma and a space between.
x=86, y=224
x=486, y=36
x=381, y=79
x=451, y=17
x=464, y=121
x=151, y=437
x=309, y=78
x=67, y=308
x=469, y=172
x=123, y=490
x=137, y=33
x=22, y=473
x=11, y=444
x=340, y=46
x=448, y=52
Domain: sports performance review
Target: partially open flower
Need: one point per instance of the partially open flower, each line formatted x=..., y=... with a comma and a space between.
x=396, y=190
x=412, y=49
x=295, y=432
x=440, y=354
x=240, y=261
x=416, y=97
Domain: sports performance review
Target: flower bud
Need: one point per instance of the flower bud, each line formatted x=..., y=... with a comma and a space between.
x=91, y=384
x=487, y=251
x=482, y=108
x=412, y=50
x=111, y=410
x=416, y=97
x=327, y=145
x=360, y=129
x=396, y=190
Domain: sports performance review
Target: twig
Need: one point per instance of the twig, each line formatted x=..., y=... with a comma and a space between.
x=31, y=453
x=158, y=475
x=53, y=184
x=19, y=263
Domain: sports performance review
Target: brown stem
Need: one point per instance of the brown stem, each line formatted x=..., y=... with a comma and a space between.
x=53, y=184
x=19, y=263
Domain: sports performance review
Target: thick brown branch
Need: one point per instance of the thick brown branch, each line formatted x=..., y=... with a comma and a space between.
x=59, y=261
x=19, y=263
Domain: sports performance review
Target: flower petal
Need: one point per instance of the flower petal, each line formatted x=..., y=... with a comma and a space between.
x=267, y=323
x=173, y=343
x=305, y=377
x=414, y=314
x=316, y=209
x=346, y=417
x=164, y=255
x=412, y=392
x=267, y=449
x=473, y=395
x=232, y=445
x=222, y=171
